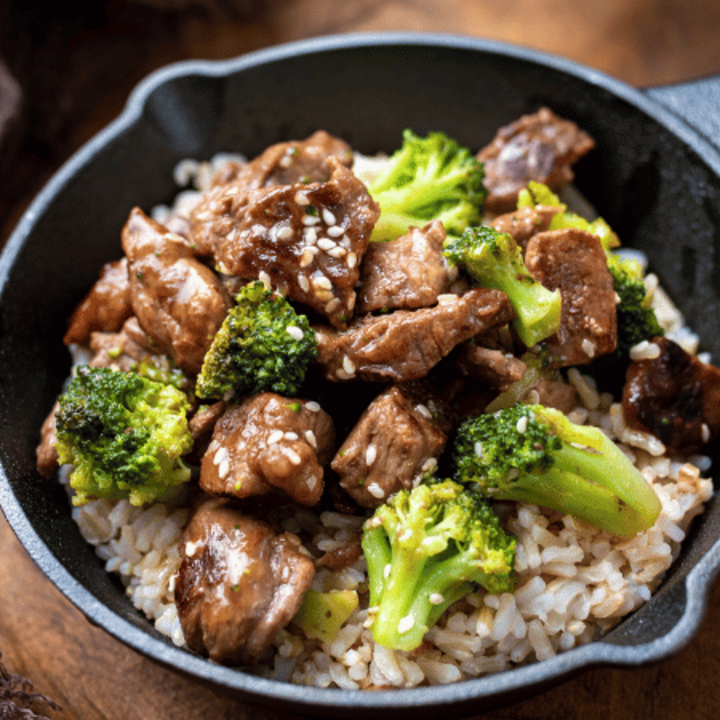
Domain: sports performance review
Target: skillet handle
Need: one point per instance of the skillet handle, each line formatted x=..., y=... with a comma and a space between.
x=697, y=102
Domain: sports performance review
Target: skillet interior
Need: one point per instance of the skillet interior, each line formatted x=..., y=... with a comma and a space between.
x=653, y=179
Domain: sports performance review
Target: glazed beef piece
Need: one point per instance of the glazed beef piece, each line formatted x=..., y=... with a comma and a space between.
x=409, y=272
x=676, y=397
x=269, y=445
x=105, y=308
x=540, y=147
x=406, y=344
x=553, y=394
x=179, y=302
x=525, y=222
x=125, y=349
x=239, y=583
x=46, y=453
x=574, y=262
x=494, y=368
x=305, y=240
x=397, y=438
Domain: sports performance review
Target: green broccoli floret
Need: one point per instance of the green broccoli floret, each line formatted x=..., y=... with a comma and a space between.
x=263, y=344
x=425, y=549
x=430, y=178
x=534, y=454
x=124, y=435
x=494, y=260
x=636, y=320
x=538, y=194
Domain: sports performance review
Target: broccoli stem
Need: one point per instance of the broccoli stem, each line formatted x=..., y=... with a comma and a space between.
x=377, y=556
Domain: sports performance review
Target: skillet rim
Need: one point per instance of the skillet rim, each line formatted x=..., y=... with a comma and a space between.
x=497, y=688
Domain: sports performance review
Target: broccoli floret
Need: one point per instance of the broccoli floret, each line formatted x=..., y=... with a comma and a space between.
x=538, y=194
x=425, y=549
x=494, y=259
x=636, y=320
x=124, y=435
x=263, y=344
x=430, y=178
x=534, y=454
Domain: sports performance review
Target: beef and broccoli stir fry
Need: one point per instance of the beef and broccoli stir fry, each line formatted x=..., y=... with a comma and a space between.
x=391, y=341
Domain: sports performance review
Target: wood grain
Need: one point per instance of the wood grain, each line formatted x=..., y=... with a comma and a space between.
x=82, y=67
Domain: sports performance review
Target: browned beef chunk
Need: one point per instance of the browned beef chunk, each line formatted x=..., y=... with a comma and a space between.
x=554, y=394
x=525, y=222
x=574, y=262
x=494, y=368
x=202, y=424
x=539, y=147
x=179, y=302
x=675, y=397
x=305, y=240
x=407, y=344
x=46, y=452
x=397, y=438
x=239, y=583
x=122, y=350
x=340, y=558
x=105, y=308
x=409, y=272
x=269, y=445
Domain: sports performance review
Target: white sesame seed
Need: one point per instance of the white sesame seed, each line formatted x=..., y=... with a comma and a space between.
x=423, y=410
x=295, y=332
x=436, y=599
x=340, y=374
x=376, y=491
x=220, y=455
x=285, y=161
x=326, y=244
x=191, y=548
x=386, y=571
x=292, y=456
x=321, y=281
x=312, y=440
x=430, y=465
x=522, y=424
x=588, y=347
x=292, y=436
x=406, y=624
x=446, y=298
x=351, y=260
x=332, y=306
x=224, y=469
x=303, y=282
x=645, y=351
x=305, y=260
x=328, y=217
x=370, y=455
x=312, y=406
x=335, y=231
x=705, y=430
x=337, y=252
x=275, y=436
x=406, y=535
x=265, y=279
x=310, y=220
x=348, y=365
x=310, y=236
x=285, y=232
x=301, y=198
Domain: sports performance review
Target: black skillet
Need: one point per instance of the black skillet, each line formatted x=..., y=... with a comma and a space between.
x=653, y=176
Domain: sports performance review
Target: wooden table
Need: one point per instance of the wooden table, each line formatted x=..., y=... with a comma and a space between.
x=93, y=64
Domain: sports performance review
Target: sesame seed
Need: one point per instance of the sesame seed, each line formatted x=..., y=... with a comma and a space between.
x=191, y=548
x=351, y=260
x=705, y=430
x=303, y=282
x=332, y=306
x=335, y=231
x=305, y=260
x=340, y=374
x=386, y=571
x=522, y=424
x=436, y=599
x=284, y=233
x=376, y=491
x=370, y=455
x=275, y=436
x=265, y=279
x=406, y=624
x=220, y=455
x=328, y=217
x=588, y=347
x=312, y=440
x=446, y=298
x=406, y=535
x=295, y=332
x=292, y=456
x=224, y=469
x=337, y=252
x=301, y=198
x=291, y=436
x=430, y=465
x=312, y=406
x=321, y=281
x=348, y=365
x=326, y=244
x=424, y=411
x=310, y=220
x=310, y=236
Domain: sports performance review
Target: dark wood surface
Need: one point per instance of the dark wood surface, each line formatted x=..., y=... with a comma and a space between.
x=76, y=70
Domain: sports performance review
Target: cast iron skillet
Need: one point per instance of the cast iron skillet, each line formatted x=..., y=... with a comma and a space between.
x=652, y=176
